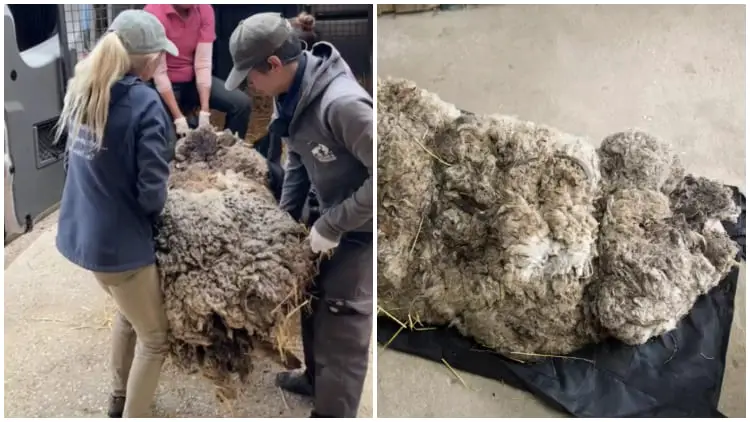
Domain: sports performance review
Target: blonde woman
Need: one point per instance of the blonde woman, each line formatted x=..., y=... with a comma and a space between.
x=115, y=190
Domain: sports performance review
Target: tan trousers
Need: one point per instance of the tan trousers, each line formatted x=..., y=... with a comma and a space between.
x=140, y=315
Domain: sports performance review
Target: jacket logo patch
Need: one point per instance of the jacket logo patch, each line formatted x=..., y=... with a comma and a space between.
x=323, y=154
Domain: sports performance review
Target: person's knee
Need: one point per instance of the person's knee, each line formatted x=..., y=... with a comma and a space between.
x=154, y=341
x=349, y=330
x=241, y=105
x=362, y=333
x=122, y=325
x=155, y=345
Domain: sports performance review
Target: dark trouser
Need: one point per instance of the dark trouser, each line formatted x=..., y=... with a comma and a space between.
x=269, y=146
x=275, y=179
x=336, y=330
x=236, y=104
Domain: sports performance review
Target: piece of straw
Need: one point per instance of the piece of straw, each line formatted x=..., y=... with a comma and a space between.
x=419, y=230
x=430, y=152
x=392, y=317
x=554, y=356
x=393, y=337
x=283, y=398
x=454, y=372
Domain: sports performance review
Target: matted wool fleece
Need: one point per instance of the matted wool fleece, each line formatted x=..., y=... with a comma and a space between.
x=232, y=263
x=532, y=241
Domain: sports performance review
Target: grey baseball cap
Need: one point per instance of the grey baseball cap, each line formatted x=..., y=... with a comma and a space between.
x=255, y=40
x=141, y=33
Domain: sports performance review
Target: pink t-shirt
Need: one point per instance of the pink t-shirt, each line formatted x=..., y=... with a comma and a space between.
x=197, y=27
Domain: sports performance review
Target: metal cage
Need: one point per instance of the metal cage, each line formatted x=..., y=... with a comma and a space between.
x=86, y=23
x=339, y=10
x=350, y=29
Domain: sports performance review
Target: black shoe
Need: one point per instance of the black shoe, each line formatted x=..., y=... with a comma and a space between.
x=116, y=407
x=295, y=382
x=315, y=414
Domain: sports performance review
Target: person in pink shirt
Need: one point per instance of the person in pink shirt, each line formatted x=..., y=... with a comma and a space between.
x=185, y=81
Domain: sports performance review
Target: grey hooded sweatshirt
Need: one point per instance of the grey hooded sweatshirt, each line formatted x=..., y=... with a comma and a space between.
x=330, y=145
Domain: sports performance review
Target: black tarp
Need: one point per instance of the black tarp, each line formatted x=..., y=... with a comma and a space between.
x=679, y=374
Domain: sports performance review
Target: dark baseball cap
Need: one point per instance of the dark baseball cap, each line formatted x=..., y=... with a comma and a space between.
x=141, y=33
x=255, y=40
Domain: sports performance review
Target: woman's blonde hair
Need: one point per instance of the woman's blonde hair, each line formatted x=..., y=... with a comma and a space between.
x=87, y=98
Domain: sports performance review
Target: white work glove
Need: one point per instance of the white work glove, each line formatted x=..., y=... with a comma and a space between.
x=318, y=243
x=181, y=126
x=204, y=119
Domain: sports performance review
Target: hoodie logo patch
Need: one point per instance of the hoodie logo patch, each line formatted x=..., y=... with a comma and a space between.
x=323, y=154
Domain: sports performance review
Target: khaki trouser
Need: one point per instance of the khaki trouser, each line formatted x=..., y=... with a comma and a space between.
x=140, y=315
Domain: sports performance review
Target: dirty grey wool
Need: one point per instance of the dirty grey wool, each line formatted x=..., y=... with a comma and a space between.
x=231, y=262
x=532, y=241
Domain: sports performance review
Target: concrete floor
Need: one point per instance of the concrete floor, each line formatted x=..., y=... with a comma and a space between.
x=675, y=71
x=57, y=340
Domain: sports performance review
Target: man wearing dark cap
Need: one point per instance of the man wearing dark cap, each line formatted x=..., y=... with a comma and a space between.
x=325, y=118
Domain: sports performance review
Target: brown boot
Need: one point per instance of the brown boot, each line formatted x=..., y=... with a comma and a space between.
x=116, y=407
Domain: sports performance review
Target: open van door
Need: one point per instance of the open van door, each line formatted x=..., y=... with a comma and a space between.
x=37, y=62
x=12, y=225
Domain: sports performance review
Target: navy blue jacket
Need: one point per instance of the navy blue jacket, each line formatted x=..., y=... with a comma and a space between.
x=112, y=197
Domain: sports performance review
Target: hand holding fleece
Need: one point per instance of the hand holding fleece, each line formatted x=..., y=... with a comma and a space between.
x=318, y=243
x=204, y=119
x=181, y=126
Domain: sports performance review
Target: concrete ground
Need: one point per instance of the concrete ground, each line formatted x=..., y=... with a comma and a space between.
x=57, y=345
x=675, y=71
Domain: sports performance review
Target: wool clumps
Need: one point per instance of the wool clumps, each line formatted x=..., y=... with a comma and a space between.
x=232, y=264
x=532, y=241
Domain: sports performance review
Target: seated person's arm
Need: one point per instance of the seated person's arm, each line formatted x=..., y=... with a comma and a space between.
x=164, y=86
x=161, y=79
x=203, y=53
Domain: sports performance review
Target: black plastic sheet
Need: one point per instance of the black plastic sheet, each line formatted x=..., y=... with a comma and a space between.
x=678, y=374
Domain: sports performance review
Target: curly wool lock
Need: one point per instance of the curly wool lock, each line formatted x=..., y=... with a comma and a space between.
x=515, y=232
x=232, y=263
